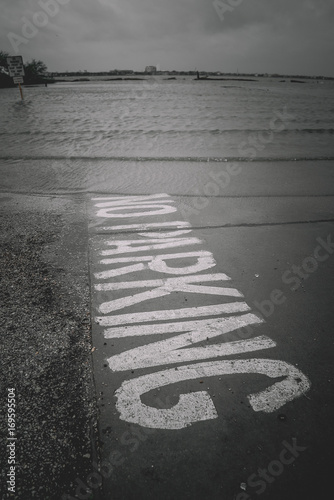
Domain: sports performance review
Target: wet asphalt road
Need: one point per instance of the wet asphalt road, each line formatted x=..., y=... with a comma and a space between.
x=270, y=230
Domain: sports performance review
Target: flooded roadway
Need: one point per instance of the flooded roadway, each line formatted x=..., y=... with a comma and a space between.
x=212, y=317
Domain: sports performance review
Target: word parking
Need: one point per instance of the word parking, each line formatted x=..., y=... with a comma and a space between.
x=149, y=267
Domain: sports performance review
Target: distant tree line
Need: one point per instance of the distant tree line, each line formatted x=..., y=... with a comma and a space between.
x=35, y=72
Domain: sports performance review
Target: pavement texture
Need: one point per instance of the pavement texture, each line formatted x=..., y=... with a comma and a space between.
x=228, y=457
x=270, y=228
x=46, y=344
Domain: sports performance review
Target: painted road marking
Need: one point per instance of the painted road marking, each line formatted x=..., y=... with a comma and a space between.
x=190, y=325
x=168, y=234
x=170, y=314
x=198, y=406
x=157, y=263
x=127, y=200
x=167, y=352
x=144, y=227
x=110, y=208
x=217, y=324
x=175, y=283
x=162, y=288
x=129, y=246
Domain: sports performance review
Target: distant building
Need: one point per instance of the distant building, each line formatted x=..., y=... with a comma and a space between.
x=151, y=70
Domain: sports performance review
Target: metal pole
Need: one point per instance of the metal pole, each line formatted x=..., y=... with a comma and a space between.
x=21, y=91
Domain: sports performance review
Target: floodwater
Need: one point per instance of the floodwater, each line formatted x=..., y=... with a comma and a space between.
x=74, y=133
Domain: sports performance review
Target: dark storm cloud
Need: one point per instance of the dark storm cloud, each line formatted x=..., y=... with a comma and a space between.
x=259, y=35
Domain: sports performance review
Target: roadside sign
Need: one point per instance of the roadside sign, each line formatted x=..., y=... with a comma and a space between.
x=16, y=70
x=18, y=79
x=15, y=66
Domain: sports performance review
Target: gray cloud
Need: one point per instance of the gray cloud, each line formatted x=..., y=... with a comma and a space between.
x=258, y=35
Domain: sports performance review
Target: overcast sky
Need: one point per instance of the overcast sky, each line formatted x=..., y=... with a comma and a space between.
x=267, y=36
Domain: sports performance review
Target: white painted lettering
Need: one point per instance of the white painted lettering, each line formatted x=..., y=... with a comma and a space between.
x=168, y=351
x=157, y=263
x=110, y=207
x=169, y=234
x=198, y=406
x=129, y=246
x=111, y=212
x=164, y=287
x=126, y=200
x=171, y=314
x=180, y=326
x=143, y=227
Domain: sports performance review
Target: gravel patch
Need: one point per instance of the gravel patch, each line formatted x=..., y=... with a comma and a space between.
x=46, y=351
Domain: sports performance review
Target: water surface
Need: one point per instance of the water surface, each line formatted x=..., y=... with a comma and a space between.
x=169, y=119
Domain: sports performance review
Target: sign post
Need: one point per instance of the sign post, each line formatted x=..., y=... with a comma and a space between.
x=16, y=70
